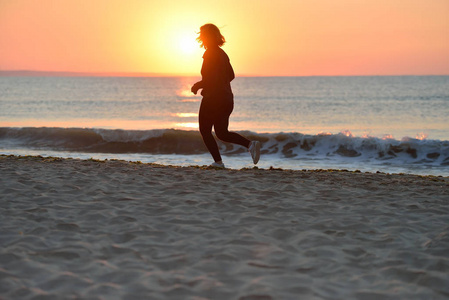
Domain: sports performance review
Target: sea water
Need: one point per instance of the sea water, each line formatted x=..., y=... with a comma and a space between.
x=382, y=123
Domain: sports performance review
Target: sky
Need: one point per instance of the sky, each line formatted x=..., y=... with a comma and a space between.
x=264, y=37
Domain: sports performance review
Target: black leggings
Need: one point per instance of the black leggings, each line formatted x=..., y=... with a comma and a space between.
x=216, y=114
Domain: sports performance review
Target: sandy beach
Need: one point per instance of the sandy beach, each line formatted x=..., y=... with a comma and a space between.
x=87, y=229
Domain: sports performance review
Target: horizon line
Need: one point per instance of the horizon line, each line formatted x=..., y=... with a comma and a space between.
x=38, y=73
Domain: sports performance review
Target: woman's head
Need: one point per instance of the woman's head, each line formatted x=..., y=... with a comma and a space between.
x=210, y=36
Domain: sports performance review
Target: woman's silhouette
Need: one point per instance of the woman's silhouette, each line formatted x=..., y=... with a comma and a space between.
x=218, y=101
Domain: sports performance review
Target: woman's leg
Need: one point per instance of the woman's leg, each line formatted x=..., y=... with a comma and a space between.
x=222, y=132
x=205, y=125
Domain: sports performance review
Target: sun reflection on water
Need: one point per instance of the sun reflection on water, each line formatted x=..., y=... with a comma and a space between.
x=185, y=92
x=185, y=115
x=190, y=100
x=190, y=125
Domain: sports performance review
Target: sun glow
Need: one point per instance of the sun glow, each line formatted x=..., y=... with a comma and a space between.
x=159, y=37
x=171, y=43
x=186, y=44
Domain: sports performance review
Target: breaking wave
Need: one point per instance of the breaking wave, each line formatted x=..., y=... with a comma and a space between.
x=286, y=145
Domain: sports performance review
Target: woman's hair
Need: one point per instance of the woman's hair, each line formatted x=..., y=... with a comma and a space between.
x=210, y=35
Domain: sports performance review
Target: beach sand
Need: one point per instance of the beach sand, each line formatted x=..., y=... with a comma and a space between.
x=87, y=229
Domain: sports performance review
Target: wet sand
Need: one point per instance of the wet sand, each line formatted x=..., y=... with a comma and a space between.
x=117, y=230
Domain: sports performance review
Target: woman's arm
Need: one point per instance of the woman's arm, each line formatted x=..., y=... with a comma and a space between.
x=216, y=72
x=231, y=72
x=206, y=70
x=196, y=87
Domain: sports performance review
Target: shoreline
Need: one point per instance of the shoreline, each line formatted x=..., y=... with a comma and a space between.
x=239, y=162
x=126, y=163
x=115, y=229
x=204, y=167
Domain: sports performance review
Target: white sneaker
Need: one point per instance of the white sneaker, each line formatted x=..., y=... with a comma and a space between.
x=219, y=165
x=254, y=149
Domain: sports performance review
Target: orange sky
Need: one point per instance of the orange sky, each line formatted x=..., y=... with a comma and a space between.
x=265, y=37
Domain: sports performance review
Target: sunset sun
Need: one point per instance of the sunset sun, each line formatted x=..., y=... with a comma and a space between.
x=187, y=44
x=177, y=48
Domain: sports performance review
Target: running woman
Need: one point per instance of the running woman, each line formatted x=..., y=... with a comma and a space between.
x=218, y=101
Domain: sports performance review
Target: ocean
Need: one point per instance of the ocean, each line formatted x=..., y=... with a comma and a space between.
x=392, y=124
